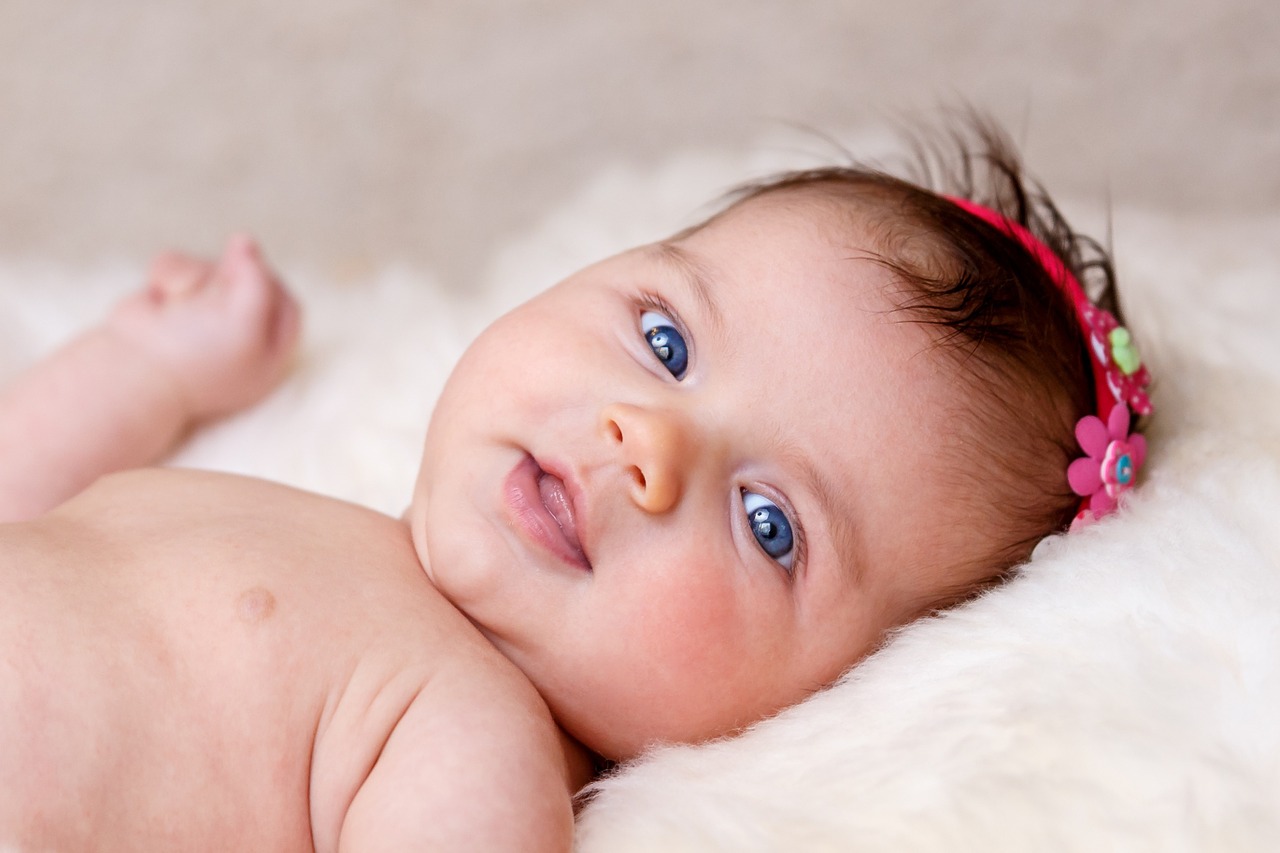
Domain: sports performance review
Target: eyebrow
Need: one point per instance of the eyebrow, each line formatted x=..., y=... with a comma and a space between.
x=696, y=277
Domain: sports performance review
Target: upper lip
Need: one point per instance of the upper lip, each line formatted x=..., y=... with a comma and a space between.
x=573, y=492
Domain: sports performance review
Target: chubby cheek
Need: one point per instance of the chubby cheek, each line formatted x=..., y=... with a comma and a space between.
x=692, y=627
x=528, y=365
x=684, y=663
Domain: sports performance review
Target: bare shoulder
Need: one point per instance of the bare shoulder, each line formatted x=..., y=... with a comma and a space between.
x=475, y=763
x=145, y=499
x=176, y=489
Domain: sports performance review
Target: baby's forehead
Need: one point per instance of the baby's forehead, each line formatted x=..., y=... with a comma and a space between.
x=873, y=203
x=788, y=252
x=847, y=213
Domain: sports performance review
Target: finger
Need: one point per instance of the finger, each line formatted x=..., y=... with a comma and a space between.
x=174, y=275
x=242, y=261
x=285, y=323
x=257, y=295
x=248, y=280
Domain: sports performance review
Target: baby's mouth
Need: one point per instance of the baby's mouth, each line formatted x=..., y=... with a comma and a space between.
x=544, y=508
x=555, y=497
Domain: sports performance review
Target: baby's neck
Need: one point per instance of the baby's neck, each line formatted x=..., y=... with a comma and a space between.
x=580, y=763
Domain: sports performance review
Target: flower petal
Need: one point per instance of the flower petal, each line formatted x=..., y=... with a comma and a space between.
x=1102, y=503
x=1137, y=450
x=1140, y=401
x=1092, y=435
x=1085, y=476
x=1118, y=421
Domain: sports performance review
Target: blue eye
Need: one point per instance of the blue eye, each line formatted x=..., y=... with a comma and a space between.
x=666, y=342
x=770, y=527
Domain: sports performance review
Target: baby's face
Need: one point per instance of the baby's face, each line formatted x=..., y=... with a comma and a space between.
x=674, y=533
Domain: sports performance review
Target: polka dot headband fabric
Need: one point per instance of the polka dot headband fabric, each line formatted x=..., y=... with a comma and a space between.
x=1113, y=454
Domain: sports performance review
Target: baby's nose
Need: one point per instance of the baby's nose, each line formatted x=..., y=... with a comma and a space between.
x=654, y=449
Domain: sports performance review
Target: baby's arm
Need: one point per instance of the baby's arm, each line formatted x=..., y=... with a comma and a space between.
x=479, y=773
x=201, y=340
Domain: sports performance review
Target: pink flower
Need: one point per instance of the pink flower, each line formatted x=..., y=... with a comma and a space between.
x=1114, y=349
x=1111, y=466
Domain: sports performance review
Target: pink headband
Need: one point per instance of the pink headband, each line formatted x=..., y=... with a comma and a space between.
x=1113, y=454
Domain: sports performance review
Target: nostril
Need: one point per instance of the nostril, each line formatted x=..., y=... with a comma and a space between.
x=615, y=431
x=637, y=476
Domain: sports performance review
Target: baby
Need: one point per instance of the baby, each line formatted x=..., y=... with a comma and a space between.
x=679, y=491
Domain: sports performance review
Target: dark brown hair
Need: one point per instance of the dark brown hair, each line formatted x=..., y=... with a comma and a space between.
x=997, y=313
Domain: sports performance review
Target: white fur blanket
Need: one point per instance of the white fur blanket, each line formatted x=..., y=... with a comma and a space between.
x=1122, y=693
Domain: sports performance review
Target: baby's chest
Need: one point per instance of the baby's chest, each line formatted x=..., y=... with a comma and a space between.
x=152, y=702
x=229, y=574
x=181, y=652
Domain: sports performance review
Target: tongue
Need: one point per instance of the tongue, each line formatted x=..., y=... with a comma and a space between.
x=551, y=489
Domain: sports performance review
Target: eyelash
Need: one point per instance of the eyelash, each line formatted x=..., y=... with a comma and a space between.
x=650, y=301
x=802, y=547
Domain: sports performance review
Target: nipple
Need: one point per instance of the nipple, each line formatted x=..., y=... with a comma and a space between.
x=255, y=605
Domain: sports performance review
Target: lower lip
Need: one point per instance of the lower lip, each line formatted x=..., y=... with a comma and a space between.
x=529, y=515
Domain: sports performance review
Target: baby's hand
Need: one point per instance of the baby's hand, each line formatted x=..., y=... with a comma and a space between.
x=223, y=332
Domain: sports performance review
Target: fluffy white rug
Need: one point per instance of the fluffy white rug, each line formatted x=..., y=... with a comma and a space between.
x=1122, y=693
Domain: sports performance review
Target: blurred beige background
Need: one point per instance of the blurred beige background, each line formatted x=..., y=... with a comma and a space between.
x=353, y=133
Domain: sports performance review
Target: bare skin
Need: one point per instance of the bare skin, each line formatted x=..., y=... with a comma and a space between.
x=192, y=660
x=199, y=341
x=675, y=531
